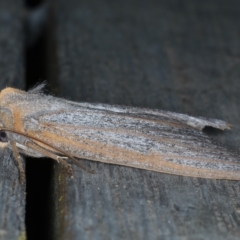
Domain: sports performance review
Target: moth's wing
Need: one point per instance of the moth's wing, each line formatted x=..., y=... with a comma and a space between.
x=195, y=122
x=137, y=138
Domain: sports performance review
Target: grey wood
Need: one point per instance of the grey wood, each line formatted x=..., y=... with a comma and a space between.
x=181, y=56
x=12, y=194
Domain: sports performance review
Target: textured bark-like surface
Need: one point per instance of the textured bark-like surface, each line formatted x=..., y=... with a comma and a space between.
x=12, y=194
x=181, y=56
x=12, y=199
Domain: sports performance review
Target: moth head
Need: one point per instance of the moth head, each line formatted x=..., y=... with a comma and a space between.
x=3, y=138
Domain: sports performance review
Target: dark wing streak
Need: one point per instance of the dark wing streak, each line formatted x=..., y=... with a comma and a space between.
x=147, y=118
x=175, y=128
x=165, y=136
x=195, y=122
x=206, y=152
x=175, y=131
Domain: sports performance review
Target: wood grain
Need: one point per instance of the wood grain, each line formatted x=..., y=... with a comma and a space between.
x=181, y=56
x=12, y=194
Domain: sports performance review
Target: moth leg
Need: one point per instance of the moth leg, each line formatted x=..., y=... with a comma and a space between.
x=49, y=154
x=19, y=162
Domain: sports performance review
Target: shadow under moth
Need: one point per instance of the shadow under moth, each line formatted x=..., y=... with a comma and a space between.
x=40, y=125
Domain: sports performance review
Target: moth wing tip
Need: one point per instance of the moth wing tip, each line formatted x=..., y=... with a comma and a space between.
x=226, y=126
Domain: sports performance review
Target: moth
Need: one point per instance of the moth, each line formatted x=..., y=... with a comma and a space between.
x=39, y=125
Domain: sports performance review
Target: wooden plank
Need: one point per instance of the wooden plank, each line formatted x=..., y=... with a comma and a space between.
x=12, y=197
x=181, y=56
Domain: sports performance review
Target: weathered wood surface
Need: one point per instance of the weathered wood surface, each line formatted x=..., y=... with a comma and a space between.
x=12, y=194
x=181, y=56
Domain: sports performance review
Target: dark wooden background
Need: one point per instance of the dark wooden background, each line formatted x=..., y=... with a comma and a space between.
x=181, y=56
x=12, y=194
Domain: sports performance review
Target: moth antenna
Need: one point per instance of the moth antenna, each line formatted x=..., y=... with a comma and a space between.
x=39, y=88
x=49, y=145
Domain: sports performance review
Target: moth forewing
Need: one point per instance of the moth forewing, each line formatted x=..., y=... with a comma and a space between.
x=142, y=138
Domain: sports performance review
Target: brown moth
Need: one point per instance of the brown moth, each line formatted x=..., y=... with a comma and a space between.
x=40, y=125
